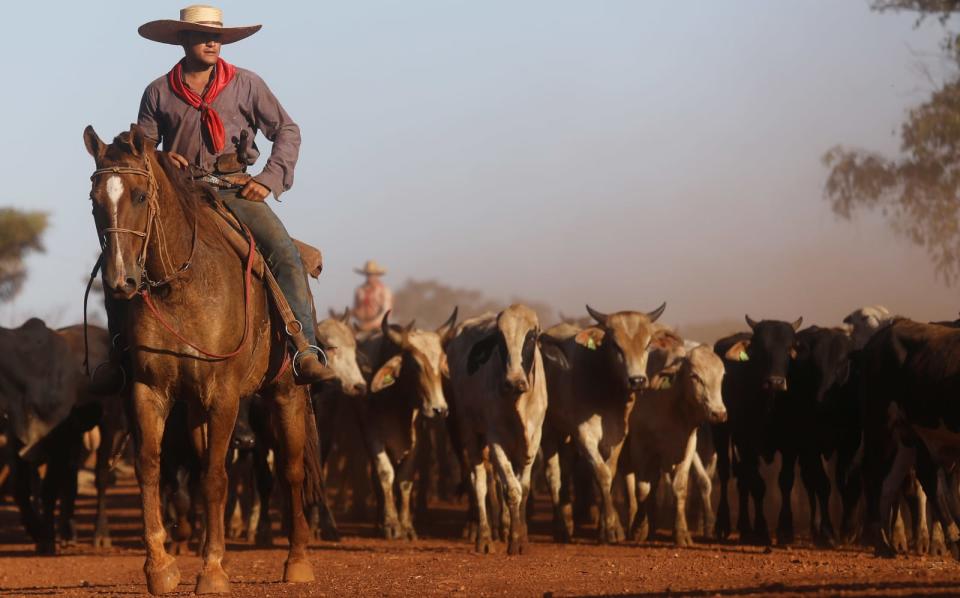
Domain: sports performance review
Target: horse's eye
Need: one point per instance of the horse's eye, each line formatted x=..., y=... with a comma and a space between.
x=141, y=197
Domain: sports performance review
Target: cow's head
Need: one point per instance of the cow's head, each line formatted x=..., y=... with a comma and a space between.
x=622, y=339
x=823, y=362
x=419, y=366
x=339, y=341
x=769, y=351
x=864, y=323
x=699, y=377
x=516, y=342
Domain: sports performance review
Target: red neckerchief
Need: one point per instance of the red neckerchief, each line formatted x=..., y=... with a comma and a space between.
x=222, y=75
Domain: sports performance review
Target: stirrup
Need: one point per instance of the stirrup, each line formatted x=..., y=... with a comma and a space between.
x=309, y=349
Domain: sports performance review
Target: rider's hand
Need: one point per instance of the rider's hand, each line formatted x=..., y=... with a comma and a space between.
x=254, y=191
x=179, y=160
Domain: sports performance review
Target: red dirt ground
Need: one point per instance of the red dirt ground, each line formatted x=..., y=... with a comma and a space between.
x=438, y=565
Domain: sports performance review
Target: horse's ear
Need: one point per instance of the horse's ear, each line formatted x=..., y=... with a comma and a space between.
x=95, y=146
x=138, y=141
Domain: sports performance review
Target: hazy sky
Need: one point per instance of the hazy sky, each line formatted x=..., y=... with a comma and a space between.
x=620, y=153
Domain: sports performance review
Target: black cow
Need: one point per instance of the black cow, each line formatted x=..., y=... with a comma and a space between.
x=819, y=373
x=911, y=417
x=757, y=368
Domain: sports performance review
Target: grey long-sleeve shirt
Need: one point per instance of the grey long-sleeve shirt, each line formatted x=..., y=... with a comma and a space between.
x=245, y=104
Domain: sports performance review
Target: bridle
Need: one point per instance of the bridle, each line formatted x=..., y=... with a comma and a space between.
x=154, y=223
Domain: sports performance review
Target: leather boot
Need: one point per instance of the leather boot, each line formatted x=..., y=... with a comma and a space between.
x=307, y=368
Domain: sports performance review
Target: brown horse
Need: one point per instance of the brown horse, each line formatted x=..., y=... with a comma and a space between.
x=218, y=340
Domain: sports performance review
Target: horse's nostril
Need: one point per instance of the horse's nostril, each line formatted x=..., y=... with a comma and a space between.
x=130, y=282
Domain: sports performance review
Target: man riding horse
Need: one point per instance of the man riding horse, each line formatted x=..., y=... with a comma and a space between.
x=206, y=113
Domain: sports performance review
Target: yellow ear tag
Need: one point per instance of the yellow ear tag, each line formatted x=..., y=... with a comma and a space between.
x=388, y=380
x=665, y=384
x=743, y=356
x=591, y=344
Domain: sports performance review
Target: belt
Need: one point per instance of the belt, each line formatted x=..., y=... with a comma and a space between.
x=212, y=179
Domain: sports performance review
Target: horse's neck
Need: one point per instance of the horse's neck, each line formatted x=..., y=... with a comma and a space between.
x=175, y=232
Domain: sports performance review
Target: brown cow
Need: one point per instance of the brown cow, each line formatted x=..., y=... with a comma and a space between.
x=663, y=434
x=591, y=397
x=409, y=365
x=499, y=403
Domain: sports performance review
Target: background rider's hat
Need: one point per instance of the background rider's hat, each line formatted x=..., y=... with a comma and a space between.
x=371, y=268
x=198, y=17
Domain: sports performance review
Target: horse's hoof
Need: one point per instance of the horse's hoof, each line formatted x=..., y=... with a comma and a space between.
x=164, y=579
x=214, y=581
x=517, y=547
x=298, y=571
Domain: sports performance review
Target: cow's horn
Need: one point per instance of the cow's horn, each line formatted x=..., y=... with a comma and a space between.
x=450, y=323
x=751, y=322
x=394, y=336
x=796, y=325
x=655, y=314
x=600, y=317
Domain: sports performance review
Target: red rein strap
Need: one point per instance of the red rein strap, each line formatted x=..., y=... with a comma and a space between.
x=248, y=280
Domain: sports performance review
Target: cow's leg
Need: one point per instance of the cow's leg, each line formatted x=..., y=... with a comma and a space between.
x=151, y=412
x=390, y=521
x=603, y=470
x=49, y=491
x=758, y=489
x=640, y=529
x=562, y=512
x=705, y=487
x=818, y=487
x=927, y=474
x=917, y=503
x=889, y=498
x=67, y=488
x=721, y=436
x=785, y=532
x=744, y=478
x=513, y=492
x=478, y=478
x=630, y=482
x=111, y=439
x=681, y=477
x=290, y=408
x=849, y=482
x=264, y=482
x=23, y=474
x=405, y=473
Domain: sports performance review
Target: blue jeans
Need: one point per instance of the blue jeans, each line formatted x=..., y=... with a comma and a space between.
x=281, y=254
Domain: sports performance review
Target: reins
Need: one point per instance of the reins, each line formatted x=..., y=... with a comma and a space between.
x=155, y=223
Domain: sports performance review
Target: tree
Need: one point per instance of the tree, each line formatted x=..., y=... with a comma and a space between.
x=430, y=302
x=20, y=233
x=918, y=191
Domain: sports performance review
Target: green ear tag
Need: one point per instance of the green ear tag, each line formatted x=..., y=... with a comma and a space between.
x=743, y=356
x=665, y=383
x=591, y=344
x=388, y=380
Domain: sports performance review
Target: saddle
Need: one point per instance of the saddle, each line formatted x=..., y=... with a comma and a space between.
x=234, y=232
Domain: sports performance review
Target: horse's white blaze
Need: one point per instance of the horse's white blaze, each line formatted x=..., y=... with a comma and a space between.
x=114, y=193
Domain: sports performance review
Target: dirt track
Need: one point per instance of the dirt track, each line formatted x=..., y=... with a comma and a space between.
x=438, y=565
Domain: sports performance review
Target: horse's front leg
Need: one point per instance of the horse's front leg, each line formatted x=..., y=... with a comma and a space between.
x=290, y=407
x=151, y=413
x=219, y=422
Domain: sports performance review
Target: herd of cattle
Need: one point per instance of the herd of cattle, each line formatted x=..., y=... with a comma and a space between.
x=875, y=399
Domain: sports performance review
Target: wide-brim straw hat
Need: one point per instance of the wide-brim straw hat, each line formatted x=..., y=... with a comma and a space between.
x=371, y=267
x=199, y=17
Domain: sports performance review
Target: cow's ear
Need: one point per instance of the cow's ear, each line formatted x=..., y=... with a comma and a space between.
x=551, y=350
x=738, y=352
x=793, y=352
x=363, y=363
x=444, y=366
x=666, y=339
x=481, y=351
x=387, y=374
x=591, y=338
